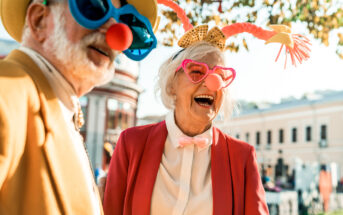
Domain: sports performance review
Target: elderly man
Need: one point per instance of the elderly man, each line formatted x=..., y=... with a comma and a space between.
x=44, y=167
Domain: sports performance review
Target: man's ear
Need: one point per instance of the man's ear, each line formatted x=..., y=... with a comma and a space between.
x=37, y=21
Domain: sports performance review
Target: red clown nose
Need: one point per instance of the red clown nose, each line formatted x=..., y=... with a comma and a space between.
x=119, y=37
x=213, y=82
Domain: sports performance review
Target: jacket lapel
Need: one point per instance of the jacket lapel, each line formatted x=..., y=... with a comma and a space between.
x=221, y=175
x=61, y=157
x=148, y=169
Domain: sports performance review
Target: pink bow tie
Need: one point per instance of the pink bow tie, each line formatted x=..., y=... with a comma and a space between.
x=201, y=142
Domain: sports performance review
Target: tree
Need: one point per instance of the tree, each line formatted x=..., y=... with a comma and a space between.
x=321, y=17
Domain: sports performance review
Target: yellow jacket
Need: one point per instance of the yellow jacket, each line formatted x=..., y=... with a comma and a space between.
x=38, y=169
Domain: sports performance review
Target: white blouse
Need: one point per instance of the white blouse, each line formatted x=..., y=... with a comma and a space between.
x=183, y=185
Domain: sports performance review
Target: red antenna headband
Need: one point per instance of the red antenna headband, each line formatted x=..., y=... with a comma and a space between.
x=296, y=45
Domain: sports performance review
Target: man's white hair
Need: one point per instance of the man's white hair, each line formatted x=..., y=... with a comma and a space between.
x=73, y=56
x=167, y=73
x=26, y=30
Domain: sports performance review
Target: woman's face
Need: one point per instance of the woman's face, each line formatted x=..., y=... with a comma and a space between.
x=196, y=102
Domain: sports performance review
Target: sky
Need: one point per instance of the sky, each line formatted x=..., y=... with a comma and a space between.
x=259, y=78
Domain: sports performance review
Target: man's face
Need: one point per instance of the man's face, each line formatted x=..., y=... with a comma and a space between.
x=83, y=54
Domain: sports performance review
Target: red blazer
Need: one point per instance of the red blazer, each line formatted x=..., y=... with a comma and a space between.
x=236, y=183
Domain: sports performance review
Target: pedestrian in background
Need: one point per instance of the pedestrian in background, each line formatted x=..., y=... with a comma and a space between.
x=325, y=187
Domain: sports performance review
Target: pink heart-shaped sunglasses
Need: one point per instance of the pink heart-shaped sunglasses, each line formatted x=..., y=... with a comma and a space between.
x=217, y=78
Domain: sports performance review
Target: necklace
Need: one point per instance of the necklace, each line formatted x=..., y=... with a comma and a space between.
x=78, y=118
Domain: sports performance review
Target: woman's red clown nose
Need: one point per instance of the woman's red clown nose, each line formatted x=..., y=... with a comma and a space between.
x=119, y=37
x=213, y=82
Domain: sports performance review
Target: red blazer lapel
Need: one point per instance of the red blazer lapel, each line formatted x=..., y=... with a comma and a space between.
x=148, y=169
x=221, y=183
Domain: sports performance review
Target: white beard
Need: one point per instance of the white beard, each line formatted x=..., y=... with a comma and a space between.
x=73, y=56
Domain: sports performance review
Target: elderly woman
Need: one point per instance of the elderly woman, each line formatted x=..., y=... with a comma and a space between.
x=185, y=165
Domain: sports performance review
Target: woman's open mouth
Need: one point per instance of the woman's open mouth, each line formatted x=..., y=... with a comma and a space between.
x=204, y=100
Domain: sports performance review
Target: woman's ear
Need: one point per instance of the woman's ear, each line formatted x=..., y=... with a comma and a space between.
x=171, y=90
x=37, y=21
x=173, y=87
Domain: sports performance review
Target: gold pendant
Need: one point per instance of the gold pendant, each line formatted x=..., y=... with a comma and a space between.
x=78, y=118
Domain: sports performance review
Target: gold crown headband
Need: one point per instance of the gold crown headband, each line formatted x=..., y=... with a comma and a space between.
x=296, y=44
x=200, y=33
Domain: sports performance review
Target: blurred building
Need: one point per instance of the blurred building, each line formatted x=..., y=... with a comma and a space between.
x=110, y=108
x=150, y=119
x=307, y=131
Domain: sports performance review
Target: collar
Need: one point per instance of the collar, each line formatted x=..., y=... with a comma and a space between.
x=61, y=87
x=175, y=133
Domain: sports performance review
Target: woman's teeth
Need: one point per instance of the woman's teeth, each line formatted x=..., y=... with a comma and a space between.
x=204, y=100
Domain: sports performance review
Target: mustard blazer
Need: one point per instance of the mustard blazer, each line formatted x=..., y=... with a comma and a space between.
x=39, y=172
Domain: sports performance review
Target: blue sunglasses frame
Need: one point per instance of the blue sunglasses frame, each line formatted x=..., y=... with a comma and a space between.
x=134, y=54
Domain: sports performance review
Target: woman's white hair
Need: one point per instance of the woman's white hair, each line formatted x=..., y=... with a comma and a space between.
x=167, y=73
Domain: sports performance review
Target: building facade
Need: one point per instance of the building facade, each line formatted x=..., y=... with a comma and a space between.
x=294, y=134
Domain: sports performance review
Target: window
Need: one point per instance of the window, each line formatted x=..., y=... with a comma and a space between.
x=294, y=135
x=257, y=139
x=119, y=115
x=112, y=117
x=308, y=134
x=111, y=120
x=120, y=119
x=269, y=137
x=247, y=137
x=281, y=136
x=323, y=135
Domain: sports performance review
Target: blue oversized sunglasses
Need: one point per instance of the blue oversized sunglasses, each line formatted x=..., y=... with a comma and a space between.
x=92, y=14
